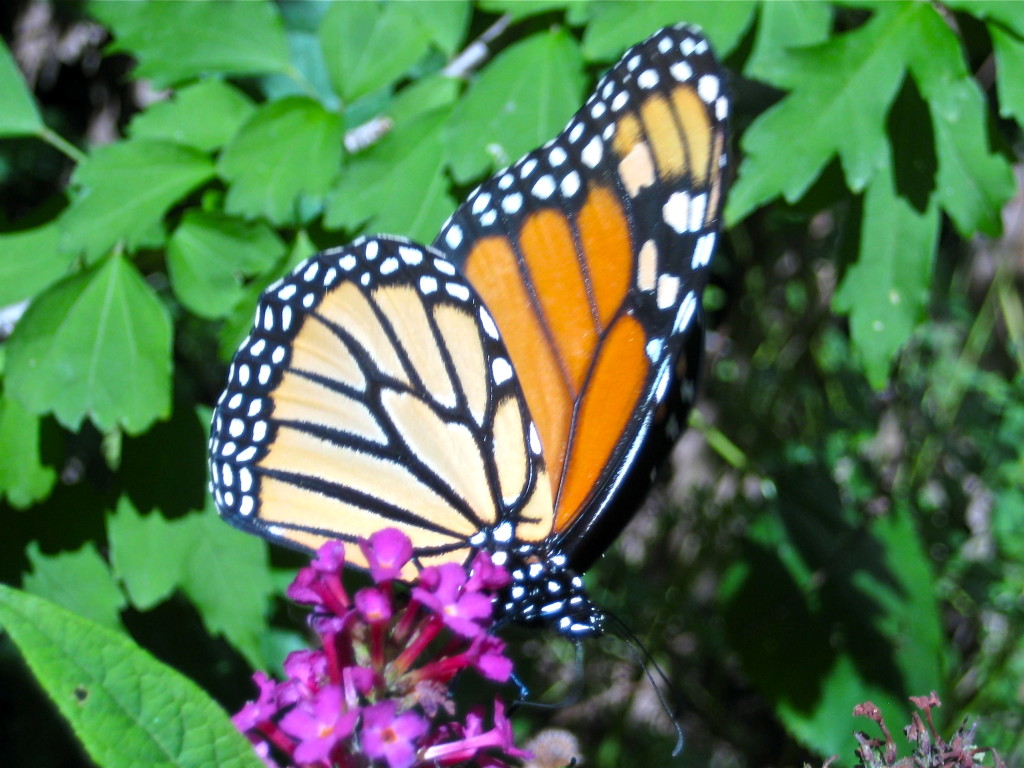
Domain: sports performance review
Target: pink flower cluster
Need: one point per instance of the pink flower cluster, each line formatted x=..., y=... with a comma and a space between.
x=377, y=692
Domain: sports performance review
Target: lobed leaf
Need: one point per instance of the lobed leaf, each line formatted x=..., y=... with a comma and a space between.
x=522, y=99
x=210, y=254
x=78, y=581
x=618, y=25
x=445, y=22
x=174, y=42
x=225, y=573
x=886, y=292
x=204, y=115
x=840, y=93
x=288, y=149
x=973, y=183
x=124, y=191
x=368, y=45
x=784, y=26
x=96, y=345
x=398, y=186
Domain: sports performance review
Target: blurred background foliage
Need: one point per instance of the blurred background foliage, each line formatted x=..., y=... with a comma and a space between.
x=844, y=520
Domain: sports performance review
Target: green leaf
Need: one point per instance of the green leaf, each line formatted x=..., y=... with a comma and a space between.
x=78, y=581
x=522, y=9
x=398, y=186
x=619, y=25
x=24, y=479
x=207, y=560
x=126, y=708
x=840, y=94
x=1010, y=15
x=20, y=115
x=423, y=96
x=227, y=577
x=205, y=116
x=30, y=260
x=445, y=21
x=885, y=293
x=522, y=99
x=1009, y=52
x=369, y=45
x=973, y=183
x=289, y=148
x=95, y=345
x=210, y=254
x=124, y=191
x=825, y=612
x=782, y=26
x=147, y=554
x=239, y=323
x=178, y=41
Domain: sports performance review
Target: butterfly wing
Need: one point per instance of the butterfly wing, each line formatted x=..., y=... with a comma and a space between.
x=375, y=391
x=591, y=253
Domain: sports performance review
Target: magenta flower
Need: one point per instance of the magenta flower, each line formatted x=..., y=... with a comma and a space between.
x=446, y=592
x=373, y=605
x=320, y=724
x=485, y=575
x=377, y=690
x=473, y=740
x=383, y=735
x=387, y=552
x=262, y=709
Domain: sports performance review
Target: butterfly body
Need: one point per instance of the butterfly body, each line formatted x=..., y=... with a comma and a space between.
x=512, y=386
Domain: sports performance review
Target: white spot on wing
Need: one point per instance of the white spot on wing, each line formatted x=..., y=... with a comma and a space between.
x=668, y=291
x=707, y=88
x=681, y=71
x=702, y=252
x=570, y=184
x=593, y=152
x=676, y=211
x=501, y=370
x=685, y=314
x=534, y=440
x=698, y=206
x=413, y=256
x=545, y=187
x=481, y=203
x=512, y=203
x=457, y=290
x=488, y=323
x=648, y=79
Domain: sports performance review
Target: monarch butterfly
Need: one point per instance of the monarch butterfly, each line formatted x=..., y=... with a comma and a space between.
x=512, y=386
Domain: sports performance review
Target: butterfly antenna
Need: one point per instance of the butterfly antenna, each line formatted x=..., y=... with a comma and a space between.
x=643, y=656
x=575, y=692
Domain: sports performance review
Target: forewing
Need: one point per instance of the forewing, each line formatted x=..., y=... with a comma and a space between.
x=591, y=253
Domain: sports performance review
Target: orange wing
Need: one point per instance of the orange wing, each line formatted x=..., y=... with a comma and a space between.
x=591, y=253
